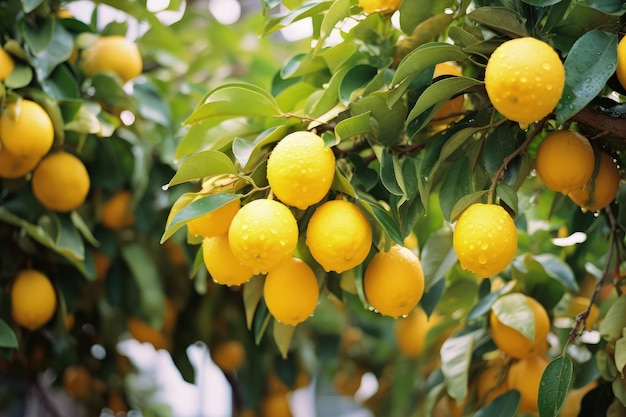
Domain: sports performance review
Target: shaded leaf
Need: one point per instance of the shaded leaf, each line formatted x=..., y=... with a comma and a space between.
x=464, y=202
x=437, y=256
x=252, y=293
x=353, y=126
x=502, y=19
x=283, y=333
x=504, y=405
x=614, y=321
x=559, y=270
x=356, y=77
x=555, y=383
x=8, y=339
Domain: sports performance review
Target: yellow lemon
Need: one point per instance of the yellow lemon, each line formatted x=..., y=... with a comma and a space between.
x=61, y=182
x=26, y=129
x=115, y=54
x=222, y=264
x=33, y=299
x=599, y=192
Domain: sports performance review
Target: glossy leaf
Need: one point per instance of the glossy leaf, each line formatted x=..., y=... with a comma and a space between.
x=483, y=305
x=283, y=333
x=465, y=202
x=620, y=354
x=201, y=165
x=356, y=78
x=589, y=64
x=614, y=320
x=502, y=19
x=426, y=56
x=614, y=7
x=437, y=256
x=559, y=270
x=542, y=3
x=555, y=383
x=8, y=339
x=252, y=293
x=389, y=170
x=353, y=126
x=456, y=354
x=458, y=182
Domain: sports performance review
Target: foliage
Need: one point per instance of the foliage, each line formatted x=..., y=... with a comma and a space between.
x=365, y=84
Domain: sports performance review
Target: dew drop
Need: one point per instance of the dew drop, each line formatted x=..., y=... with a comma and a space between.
x=549, y=87
x=405, y=316
x=482, y=260
x=165, y=187
x=283, y=242
x=546, y=66
x=245, y=236
x=261, y=236
x=244, y=226
x=274, y=231
x=484, y=246
x=609, y=67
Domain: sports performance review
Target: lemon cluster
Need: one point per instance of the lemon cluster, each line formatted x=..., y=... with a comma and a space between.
x=261, y=237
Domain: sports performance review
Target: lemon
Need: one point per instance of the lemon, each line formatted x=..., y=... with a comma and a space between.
x=61, y=182
x=222, y=264
x=394, y=281
x=300, y=169
x=33, y=299
x=291, y=292
x=524, y=79
x=6, y=64
x=263, y=235
x=117, y=212
x=339, y=235
x=449, y=112
x=485, y=239
x=621, y=62
x=26, y=130
x=565, y=161
x=216, y=222
x=379, y=6
x=115, y=54
x=13, y=167
x=599, y=192
x=525, y=376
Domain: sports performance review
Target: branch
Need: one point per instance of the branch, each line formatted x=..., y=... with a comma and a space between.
x=601, y=122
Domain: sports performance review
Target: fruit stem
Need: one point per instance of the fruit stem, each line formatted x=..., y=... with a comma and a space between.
x=497, y=176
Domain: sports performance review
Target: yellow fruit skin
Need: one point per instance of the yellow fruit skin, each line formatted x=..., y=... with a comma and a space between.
x=339, y=235
x=26, y=130
x=621, y=62
x=525, y=376
x=301, y=169
x=291, y=292
x=61, y=182
x=394, y=281
x=6, y=64
x=379, y=6
x=114, y=54
x=485, y=239
x=144, y=333
x=599, y=192
x=12, y=167
x=565, y=161
x=491, y=383
x=116, y=212
x=229, y=355
x=263, y=235
x=33, y=299
x=216, y=222
x=222, y=264
x=514, y=343
x=524, y=79
x=410, y=332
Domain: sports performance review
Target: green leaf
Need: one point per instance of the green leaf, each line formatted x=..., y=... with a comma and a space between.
x=252, y=293
x=504, y=405
x=425, y=56
x=341, y=184
x=197, y=208
x=620, y=354
x=557, y=269
x=283, y=333
x=247, y=152
x=464, y=202
x=58, y=50
x=353, y=126
x=306, y=10
x=339, y=10
x=499, y=144
x=613, y=7
x=226, y=102
x=202, y=164
x=458, y=182
x=437, y=256
x=589, y=64
x=389, y=170
x=456, y=356
x=30, y=5
x=437, y=95
x=146, y=276
x=386, y=122
x=20, y=77
x=389, y=225
x=508, y=195
x=513, y=310
x=614, y=321
x=484, y=304
x=555, y=383
x=502, y=19
x=542, y=3
x=8, y=339
x=357, y=77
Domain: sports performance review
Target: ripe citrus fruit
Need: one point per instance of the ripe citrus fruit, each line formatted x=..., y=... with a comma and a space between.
x=449, y=112
x=223, y=266
x=379, y=6
x=114, y=54
x=621, y=62
x=26, y=129
x=410, y=332
x=524, y=79
x=33, y=299
x=263, y=235
x=300, y=169
x=12, y=166
x=229, y=355
x=525, y=376
x=485, y=239
x=394, y=281
x=216, y=222
x=291, y=292
x=577, y=305
x=491, y=382
x=599, y=192
x=339, y=235
x=6, y=64
x=117, y=212
x=61, y=182
x=78, y=382
x=275, y=405
x=564, y=161
x=144, y=333
x=513, y=342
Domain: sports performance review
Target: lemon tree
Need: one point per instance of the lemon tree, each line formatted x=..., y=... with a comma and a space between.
x=287, y=201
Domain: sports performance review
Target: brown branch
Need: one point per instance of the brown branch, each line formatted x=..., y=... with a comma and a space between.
x=601, y=122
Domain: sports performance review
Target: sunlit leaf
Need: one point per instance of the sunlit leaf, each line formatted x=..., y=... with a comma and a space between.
x=513, y=310
x=425, y=56
x=283, y=333
x=559, y=270
x=203, y=164
x=555, y=383
x=502, y=19
x=437, y=256
x=456, y=355
x=353, y=126
x=614, y=320
x=464, y=202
